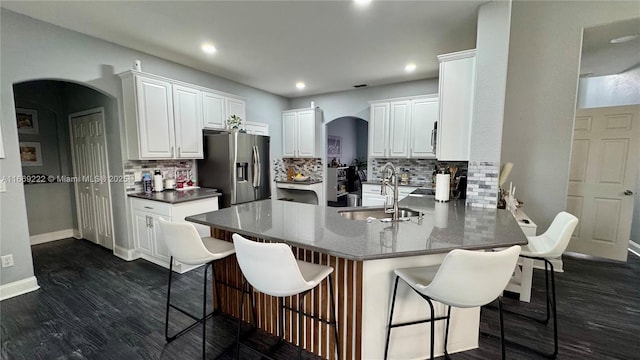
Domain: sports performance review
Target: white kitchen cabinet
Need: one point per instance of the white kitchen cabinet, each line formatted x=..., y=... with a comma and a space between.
x=148, y=240
x=187, y=106
x=164, y=118
x=235, y=106
x=424, y=116
x=301, y=133
x=256, y=128
x=371, y=194
x=148, y=111
x=456, y=91
x=403, y=128
x=213, y=111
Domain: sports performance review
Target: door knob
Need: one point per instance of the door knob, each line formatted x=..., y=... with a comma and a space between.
x=628, y=192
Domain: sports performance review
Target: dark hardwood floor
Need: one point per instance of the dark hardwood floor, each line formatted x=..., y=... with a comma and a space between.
x=93, y=305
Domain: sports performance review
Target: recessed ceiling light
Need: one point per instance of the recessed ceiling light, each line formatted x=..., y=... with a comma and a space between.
x=300, y=85
x=362, y=2
x=208, y=48
x=625, y=38
x=411, y=67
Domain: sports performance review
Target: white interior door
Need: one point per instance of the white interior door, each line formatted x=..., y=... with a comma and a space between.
x=604, y=166
x=91, y=168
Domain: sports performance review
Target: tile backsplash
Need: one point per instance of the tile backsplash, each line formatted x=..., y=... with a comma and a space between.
x=420, y=170
x=482, y=184
x=167, y=167
x=307, y=167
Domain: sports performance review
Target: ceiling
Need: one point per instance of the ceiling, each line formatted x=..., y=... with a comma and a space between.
x=330, y=45
x=270, y=45
x=600, y=57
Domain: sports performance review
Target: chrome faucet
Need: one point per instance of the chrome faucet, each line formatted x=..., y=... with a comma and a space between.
x=389, y=175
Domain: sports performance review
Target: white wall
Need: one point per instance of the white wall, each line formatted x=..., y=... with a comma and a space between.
x=542, y=81
x=492, y=53
x=31, y=49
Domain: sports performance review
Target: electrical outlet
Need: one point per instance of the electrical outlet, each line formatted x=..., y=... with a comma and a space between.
x=7, y=260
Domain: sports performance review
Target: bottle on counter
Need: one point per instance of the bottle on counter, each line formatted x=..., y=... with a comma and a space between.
x=290, y=173
x=146, y=183
x=157, y=181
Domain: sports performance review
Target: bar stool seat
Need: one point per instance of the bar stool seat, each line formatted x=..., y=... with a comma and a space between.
x=186, y=246
x=272, y=269
x=464, y=279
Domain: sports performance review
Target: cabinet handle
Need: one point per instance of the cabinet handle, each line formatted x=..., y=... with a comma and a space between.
x=172, y=151
x=148, y=207
x=179, y=151
x=147, y=220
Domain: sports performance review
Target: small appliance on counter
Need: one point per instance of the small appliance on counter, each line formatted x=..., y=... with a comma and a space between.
x=157, y=181
x=170, y=184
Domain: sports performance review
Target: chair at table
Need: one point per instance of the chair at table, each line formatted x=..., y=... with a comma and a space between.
x=465, y=279
x=186, y=246
x=545, y=247
x=272, y=269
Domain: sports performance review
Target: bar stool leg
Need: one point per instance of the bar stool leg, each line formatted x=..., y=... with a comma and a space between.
x=333, y=315
x=446, y=332
x=300, y=298
x=555, y=313
x=215, y=286
x=204, y=312
x=244, y=283
x=501, y=328
x=166, y=321
x=393, y=305
x=546, y=288
x=433, y=326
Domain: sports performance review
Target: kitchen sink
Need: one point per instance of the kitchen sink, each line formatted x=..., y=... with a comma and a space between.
x=377, y=213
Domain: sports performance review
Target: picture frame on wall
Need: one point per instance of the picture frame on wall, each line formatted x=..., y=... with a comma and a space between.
x=27, y=121
x=30, y=154
x=334, y=146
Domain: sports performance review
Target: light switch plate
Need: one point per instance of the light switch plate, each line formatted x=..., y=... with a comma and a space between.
x=7, y=260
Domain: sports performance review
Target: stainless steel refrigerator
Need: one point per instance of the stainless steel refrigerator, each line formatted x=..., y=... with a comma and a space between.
x=237, y=164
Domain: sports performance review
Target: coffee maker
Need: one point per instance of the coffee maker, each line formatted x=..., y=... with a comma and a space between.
x=459, y=190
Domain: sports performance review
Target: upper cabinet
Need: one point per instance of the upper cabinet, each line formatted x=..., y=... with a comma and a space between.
x=457, y=89
x=218, y=108
x=403, y=128
x=301, y=133
x=164, y=118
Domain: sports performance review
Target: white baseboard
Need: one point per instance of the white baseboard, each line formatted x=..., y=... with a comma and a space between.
x=76, y=234
x=51, y=236
x=18, y=288
x=634, y=247
x=125, y=254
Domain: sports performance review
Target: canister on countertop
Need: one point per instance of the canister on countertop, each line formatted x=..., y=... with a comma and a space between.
x=157, y=181
x=290, y=173
x=443, y=185
x=146, y=183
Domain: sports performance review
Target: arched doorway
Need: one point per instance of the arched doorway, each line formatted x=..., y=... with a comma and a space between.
x=54, y=211
x=346, y=154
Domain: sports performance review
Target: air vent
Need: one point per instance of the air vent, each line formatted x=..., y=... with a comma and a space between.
x=359, y=86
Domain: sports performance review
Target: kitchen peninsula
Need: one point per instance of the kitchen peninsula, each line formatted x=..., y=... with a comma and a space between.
x=364, y=255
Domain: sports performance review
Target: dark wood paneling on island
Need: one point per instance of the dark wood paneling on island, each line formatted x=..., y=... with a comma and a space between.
x=317, y=336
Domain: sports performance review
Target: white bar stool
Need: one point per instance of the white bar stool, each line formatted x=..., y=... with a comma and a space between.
x=545, y=247
x=186, y=246
x=465, y=279
x=272, y=269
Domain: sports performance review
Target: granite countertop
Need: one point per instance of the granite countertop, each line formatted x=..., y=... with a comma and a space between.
x=174, y=197
x=445, y=226
x=307, y=182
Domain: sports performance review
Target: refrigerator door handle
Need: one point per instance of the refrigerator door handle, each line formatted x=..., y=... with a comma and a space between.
x=258, y=167
x=255, y=166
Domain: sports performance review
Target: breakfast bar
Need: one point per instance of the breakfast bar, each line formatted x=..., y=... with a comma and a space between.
x=363, y=253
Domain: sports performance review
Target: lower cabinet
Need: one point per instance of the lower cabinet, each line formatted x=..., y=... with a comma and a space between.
x=148, y=240
x=371, y=194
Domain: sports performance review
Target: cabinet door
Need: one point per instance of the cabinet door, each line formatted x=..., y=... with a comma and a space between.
x=142, y=238
x=424, y=115
x=213, y=111
x=187, y=107
x=289, y=131
x=160, y=249
x=457, y=87
x=155, y=118
x=399, y=123
x=235, y=107
x=378, y=130
x=256, y=128
x=306, y=133
x=372, y=200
